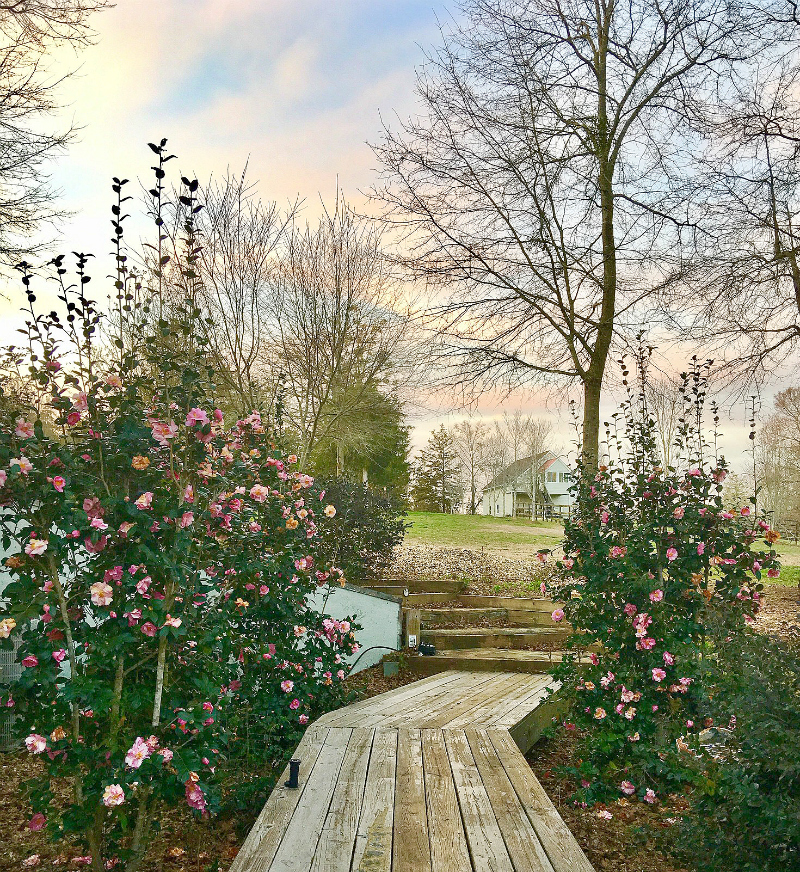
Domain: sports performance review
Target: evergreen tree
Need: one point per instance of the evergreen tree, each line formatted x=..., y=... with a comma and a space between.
x=437, y=483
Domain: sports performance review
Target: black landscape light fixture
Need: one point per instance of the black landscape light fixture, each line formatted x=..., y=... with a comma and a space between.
x=294, y=774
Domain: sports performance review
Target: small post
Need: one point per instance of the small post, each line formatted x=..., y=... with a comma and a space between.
x=412, y=628
x=294, y=774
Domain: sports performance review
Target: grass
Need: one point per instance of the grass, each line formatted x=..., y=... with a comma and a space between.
x=515, y=537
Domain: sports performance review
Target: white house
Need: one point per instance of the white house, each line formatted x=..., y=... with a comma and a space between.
x=509, y=493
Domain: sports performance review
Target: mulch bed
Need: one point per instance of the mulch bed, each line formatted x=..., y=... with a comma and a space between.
x=780, y=614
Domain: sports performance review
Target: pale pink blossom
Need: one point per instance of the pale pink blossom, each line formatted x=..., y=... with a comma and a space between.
x=149, y=629
x=656, y=596
x=35, y=743
x=137, y=753
x=3, y=477
x=630, y=609
x=24, y=429
x=60, y=655
x=113, y=795
x=102, y=593
x=166, y=754
x=678, y=513
x=196, y=416
x=186, y=520
x=330, y=511
x=169, y=621
x=80, y=402
x=627, y=788
x=650, y=796
x=144, y=501
x=195, y=797
x=619, y=551
x=672, y=554
x=163, y=431
x=294, y=704
x=33, y=860
x=668, y=658
x=558, y=615
x=37, y=822
x=36, y=547
x=259, y=493
x=287, y=686
x=25, y=466
x=658, y=674
x=59, y=483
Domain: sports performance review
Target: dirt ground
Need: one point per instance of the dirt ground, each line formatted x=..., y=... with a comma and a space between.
x=780, y=614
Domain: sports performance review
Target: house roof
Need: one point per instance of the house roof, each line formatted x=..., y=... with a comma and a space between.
x=514, y=470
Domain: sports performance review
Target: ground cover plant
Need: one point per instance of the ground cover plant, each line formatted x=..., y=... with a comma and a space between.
x=163, y=559
x=658, y=568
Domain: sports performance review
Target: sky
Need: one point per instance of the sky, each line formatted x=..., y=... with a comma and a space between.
x=295, y=88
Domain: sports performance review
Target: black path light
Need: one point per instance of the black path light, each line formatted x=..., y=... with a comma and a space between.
x=294, y=773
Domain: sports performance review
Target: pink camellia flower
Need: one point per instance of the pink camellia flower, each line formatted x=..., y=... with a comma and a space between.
x=604, y=814
x=133, y=616
x=303, y=719
x=287, y=686
x=24, y=429
x=166, y=754
x=37, y=822
x=33, y=860
x=73, y=418
x=30, y=661
x=113, y=795
x=218, y=416
x=59, y=483
x=259, y=493
x=745, y=511
x=650, y=796
x=599, y=713
x=619, y=551
x=294, y=704
x=137, y=753
x=195, y=798
x=678, y=513
x=186, y=520
x=36, y=547
x=627, y=788
x=25, y=466
x=668, y=658
x=630, y=609
x=169, y=621
x=701, y=547
x=196, y=416
x=143, y=585
x=656, y=596
x=3, y=477
x=149, y=629
x=35, y=743
x=604, y=516
x=163, y=431
x=80, y=402
x=144, y=501
x=102, y=593
x=558, y=615
x=60, y=655
x=568, y=563
x=114, y=381
x=773, y=572
x=672, y=554
x=659, y=674
x=695, y=473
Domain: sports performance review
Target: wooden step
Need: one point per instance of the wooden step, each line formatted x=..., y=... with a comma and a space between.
x=514, y=617
x=420, y=600
x=396, y=586
x=516, y=603
x=496, y=637
x=484, y=660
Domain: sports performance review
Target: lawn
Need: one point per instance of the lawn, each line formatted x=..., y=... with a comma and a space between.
x=511, y=537
x=520, y=538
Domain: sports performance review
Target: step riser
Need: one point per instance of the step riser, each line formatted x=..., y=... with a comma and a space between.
x=516, y=618
x=508, y=602
x=416, y=585
x=432, y=665
x=533, y=641
x=420, y=600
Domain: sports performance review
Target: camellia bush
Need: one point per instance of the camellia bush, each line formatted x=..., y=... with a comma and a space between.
x=656, y=568
x=163, y=560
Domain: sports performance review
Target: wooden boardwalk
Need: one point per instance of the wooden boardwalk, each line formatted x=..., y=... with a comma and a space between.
x=426, y=778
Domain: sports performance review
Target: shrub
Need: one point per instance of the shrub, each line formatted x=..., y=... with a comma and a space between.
x=166, y=557
x=744, y=813
x=656, y=561
x=367, y=527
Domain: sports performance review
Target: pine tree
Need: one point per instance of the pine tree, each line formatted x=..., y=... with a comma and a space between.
x=437, y=477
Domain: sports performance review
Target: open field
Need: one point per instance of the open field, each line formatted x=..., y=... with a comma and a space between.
x=519, y=539
x=509, y=537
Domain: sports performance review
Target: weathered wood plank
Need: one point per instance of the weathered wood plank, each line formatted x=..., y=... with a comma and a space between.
x=524, y=701
x=263, y=840
x=449, y=851
x=431, y=710
x=479, y=709
x=335, y=847
x=562, y=850
x=522, y=843
x=486, y=846
x=350, y=715
x=411, y=848
x=373, y=847
x=299, y=844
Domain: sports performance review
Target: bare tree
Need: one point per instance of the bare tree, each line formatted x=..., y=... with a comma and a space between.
x=665, y=404
x=29, y=30
x=542, y=181
x=337, y=325
x=241, y=244
x=538, y=438
x=472, y=445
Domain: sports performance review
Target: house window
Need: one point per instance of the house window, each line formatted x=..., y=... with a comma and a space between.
x=564, y=476
x=551, y=476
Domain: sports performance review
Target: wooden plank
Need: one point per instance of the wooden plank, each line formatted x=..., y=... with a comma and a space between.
x=373, y=846
x=263, y=840
x=299, y=842
x=411, y=848
x=486, y=846
x=516, y=706
x=513, y=684
x=386, y=701
x=449, y=851
x=430, y=711
x=413, y=712
x=522, y=843
x=335, y=847
x=562, y=850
